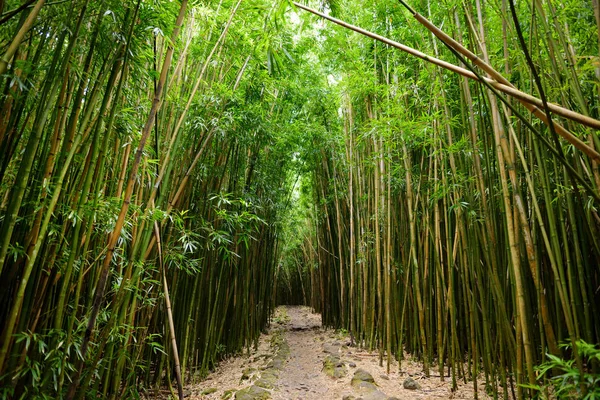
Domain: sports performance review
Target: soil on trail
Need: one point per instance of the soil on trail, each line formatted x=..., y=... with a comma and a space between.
x=298, y=360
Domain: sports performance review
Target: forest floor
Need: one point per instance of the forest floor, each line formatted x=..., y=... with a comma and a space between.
x=298, y=359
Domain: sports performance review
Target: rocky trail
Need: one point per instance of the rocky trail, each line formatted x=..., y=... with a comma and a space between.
x=299, y=360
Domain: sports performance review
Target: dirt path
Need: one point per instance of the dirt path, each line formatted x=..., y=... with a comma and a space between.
x=301, y=377
x=298, y=360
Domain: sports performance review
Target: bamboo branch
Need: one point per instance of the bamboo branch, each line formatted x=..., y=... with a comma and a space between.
x=530, y=102
x=532, y=107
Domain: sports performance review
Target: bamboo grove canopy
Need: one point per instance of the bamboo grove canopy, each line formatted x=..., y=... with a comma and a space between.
x=423, y=174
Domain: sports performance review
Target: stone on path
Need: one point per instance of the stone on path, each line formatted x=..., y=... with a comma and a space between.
x=363, y=382
x=253, y=393
x=362, y=375
x=267, y=379
x=278, y=362
x=411, y=384
x=334, y=367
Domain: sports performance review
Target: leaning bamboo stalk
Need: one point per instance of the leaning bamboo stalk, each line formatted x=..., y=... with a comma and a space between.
x=530, y=102
x=16, y=308
x=388, y=269
x=17, y=193
x=505, y=163
x=12, y=49
x=183, y=115
x=169, y=313
x=502, y=86
x=186, y=177
x=498, y=77
x=543, y=96
x=556, y=152
x=413, y=256
x=103, y=277
x=349, y=154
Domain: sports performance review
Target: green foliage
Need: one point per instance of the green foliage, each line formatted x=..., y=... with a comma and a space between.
x=44, y=365
x=296, y=129
x=562, y=379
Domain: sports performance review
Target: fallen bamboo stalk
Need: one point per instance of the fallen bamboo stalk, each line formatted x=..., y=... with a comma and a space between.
x=530, y=102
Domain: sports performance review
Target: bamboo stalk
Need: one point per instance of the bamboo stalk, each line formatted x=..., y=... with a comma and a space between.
x=16, y=42
x=530, y=102
x=169, y=314
x=100, y=288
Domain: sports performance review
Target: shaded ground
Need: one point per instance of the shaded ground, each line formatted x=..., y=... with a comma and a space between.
x=298, y=360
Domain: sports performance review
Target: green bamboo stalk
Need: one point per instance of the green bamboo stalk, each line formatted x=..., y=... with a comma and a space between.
x=100, y=288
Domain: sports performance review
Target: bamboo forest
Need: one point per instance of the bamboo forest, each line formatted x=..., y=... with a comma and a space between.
x=186, y=184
